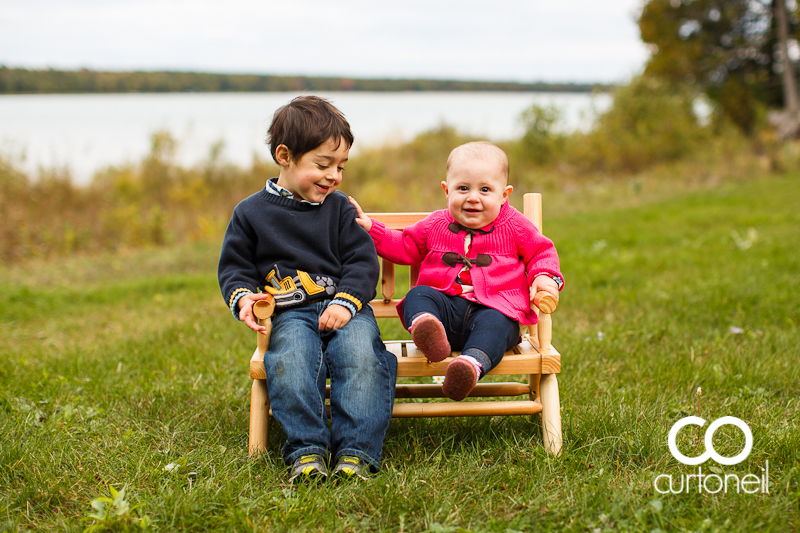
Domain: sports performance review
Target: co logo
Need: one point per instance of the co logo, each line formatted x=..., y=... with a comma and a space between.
x=711, y=453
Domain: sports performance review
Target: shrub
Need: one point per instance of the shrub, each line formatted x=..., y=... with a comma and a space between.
x=649, y=122
x=541, y=143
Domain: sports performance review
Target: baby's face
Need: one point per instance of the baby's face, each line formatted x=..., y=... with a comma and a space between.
x=475, y=191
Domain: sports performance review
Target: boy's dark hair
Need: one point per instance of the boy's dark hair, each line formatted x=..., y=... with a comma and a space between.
x=306, y=123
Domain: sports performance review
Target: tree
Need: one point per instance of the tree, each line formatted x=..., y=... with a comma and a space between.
x=787, y=122
x=789, y=80
x=729, y=49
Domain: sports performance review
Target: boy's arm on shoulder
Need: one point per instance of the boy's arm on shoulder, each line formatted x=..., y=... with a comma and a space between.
x=407, y=247
x=361, y=217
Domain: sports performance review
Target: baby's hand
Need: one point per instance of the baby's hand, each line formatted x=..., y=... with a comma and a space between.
x=544, y=283
x=246, y=311
x=363, y=220
x=334, y=317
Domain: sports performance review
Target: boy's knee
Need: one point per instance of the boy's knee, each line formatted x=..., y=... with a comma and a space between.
x=285, y=364
x=293, y=355
x=363, y=353
x=361, y=356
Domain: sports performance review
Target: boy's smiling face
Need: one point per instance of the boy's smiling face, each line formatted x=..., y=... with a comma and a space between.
x=476, y=189
x=316, y=174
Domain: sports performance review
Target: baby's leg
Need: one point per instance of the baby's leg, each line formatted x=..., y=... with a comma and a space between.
x=363, y=375
x=425, y=311
x=490, y=335
x=296, y=374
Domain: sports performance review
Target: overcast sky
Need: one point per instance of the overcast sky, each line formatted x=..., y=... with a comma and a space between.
x=533, y=40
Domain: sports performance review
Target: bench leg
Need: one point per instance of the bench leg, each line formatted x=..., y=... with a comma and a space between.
x=533, y=383
x=551, y=413
x=259, y=417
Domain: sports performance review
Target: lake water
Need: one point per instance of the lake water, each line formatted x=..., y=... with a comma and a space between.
x=86, y=132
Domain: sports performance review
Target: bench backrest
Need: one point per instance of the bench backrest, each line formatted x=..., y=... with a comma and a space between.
x=385, y=307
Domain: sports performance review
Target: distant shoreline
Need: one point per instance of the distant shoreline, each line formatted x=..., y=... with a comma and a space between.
x=24, y=81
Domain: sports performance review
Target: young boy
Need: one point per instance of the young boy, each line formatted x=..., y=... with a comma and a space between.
x=298, y=238
x=482, y=262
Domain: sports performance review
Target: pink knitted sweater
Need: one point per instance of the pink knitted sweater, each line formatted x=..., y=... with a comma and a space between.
x=518, y=252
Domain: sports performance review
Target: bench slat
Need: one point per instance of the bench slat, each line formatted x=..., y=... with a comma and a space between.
x=481, y=390
x=398, y=220
x=434, y=409
x=418, y=410
x=383, y=309
x=511, y=364
x=432, y=390
x=523, y=359
x=387, y=280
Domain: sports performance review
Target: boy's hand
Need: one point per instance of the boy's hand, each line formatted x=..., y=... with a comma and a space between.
x=544, y=283
x=334, y=317
x=246, y=311
x=363, y=220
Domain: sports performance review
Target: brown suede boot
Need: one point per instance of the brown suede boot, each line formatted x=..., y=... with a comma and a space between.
x=460, y=378
x=429, y=336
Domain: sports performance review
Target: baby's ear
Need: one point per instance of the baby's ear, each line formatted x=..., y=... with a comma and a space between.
x=444, y=187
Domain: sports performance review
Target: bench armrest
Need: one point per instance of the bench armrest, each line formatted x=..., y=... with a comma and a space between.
x=263, y=309
x=545, y=302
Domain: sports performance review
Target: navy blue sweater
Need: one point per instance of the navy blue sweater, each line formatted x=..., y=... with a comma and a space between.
x=298, y=252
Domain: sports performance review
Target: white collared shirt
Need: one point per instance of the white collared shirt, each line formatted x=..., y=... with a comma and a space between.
x=274, y=188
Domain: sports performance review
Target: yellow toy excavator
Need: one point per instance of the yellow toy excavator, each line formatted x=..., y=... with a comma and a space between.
x=286, y=291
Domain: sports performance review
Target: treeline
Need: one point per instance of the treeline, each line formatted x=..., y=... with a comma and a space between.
x=24, y=81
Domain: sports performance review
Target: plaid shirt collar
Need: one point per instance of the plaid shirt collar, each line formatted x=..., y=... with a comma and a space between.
x=274, y=188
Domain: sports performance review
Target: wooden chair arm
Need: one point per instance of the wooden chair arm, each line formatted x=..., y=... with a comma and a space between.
x=545, y=302
x=263, y=309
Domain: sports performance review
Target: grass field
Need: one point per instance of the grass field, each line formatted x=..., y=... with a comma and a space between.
x=127, y=372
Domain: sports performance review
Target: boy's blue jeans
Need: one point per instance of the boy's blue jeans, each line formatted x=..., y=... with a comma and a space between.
x=363, y=375
x=478, y=331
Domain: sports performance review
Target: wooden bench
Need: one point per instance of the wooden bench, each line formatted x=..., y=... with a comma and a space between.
x=534, y=357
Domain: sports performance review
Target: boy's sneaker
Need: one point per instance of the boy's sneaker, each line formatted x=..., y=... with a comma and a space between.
x=350, y=466
x=429, y=336
x=309, y=467
x=460, y=377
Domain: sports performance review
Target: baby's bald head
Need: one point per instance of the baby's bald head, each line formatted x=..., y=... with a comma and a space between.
x=481, y=151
